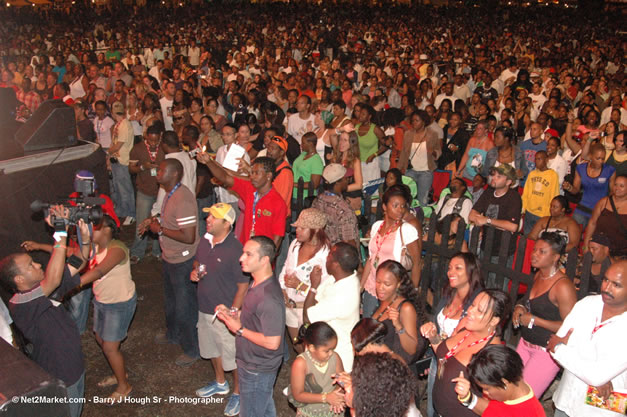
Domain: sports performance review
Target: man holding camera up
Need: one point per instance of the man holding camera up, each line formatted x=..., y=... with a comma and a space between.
x=44, y=321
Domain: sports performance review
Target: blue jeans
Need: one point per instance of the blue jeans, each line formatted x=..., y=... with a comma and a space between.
x=76, y=390
x=181, y=306
x=424, y=180
x=581, y=218
x=79, y=308
x=369, y=304
x=530, y=221
x=143, y=206
x=255, y=390
x=122, y=195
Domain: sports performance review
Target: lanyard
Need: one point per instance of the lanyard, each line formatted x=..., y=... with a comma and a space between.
x=165, y=202
x=256, y=200
x=453, y=351
x=598, y=326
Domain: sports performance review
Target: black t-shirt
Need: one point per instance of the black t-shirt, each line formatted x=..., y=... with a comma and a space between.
x=507, y=207
x=223, y=273
x=51, y=330
x=263, y=311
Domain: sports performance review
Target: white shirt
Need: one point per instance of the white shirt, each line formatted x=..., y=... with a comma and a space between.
x=590, y=359
x=297, y=127
x=102, y=127
x=188, y=180
x=338, y=306
x=607, y=113
x=440, y=98
x=166, y=109
x=461, y=92
x=5, y=324
x=301, y=271
x=559, y=165
x=450, y=205
x=225, y=195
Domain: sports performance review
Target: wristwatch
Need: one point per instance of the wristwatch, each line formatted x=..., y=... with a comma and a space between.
x=489, y=220
x=240, y=332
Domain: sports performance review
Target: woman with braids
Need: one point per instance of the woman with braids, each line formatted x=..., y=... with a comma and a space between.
x=541, y=311
x=482, y=326
x=312, y=389
x=498, y=371
x=399, y=309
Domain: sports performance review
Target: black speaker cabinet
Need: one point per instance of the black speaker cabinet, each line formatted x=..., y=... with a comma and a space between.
x=51, y=126
x=27, y=390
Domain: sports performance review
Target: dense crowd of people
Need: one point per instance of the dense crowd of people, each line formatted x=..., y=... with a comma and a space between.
x=221, y=123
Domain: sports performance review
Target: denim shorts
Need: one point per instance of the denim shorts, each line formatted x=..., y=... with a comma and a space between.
x=111, y=321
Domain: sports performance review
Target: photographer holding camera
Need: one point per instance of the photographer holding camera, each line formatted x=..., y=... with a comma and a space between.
x=44, y=321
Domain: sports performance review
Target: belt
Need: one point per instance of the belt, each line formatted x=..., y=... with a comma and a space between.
x=532, y=346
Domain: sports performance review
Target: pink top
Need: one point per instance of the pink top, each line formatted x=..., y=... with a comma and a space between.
x=380, y=250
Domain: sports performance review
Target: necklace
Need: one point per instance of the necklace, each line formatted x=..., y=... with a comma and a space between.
x=553, y=272
x=321, y=366
x=456, y=349
x=386, y=308
x=379, y=243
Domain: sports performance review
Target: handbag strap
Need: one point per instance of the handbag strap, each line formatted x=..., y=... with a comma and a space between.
x=400, y=230
x=618, y=219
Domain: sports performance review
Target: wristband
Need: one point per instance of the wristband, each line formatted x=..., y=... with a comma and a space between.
x=401, y=331
x=58, y=235
x=313, y=290
x=75, y=261
x=59, y=246
x=530, y=325
x=240, y=332
x=324, y=397
x=473, y=403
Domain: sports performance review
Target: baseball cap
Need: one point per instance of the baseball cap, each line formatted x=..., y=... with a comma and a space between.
x=506, y=170
x=280, y=141
x=221, y=211
x=333, y=173
x=117, y=108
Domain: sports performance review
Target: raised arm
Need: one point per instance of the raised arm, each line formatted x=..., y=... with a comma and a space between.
x=216, y=169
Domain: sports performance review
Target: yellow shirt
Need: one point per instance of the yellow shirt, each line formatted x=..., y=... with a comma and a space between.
x=541, y=187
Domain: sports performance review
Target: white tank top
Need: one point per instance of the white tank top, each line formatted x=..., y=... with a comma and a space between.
x=419, y=159
x=76, y=88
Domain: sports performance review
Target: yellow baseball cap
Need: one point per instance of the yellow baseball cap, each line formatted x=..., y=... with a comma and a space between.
x=221, y=211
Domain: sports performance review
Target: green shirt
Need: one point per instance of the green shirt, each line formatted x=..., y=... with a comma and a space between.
x=305, y=168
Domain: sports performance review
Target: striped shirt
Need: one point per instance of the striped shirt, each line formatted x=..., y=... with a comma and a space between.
x=179, y=212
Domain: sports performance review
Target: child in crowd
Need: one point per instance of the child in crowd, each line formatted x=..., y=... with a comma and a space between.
x=311, y=384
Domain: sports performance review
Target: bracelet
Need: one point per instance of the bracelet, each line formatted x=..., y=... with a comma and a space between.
x=324, y=397
x=58, y=235
x=465, y=399
x=58, y=246
x=298, y=286
x=401, y=331
x=86, y=243
x=530, y=325
x=313, y=290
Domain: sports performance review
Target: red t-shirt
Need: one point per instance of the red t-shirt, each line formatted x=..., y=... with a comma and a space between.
x=527, y=406
x=270, y=211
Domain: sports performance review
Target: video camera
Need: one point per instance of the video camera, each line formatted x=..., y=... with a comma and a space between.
x=87, y=208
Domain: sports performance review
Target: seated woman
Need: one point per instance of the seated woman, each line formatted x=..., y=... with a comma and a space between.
x=497, y=370
x=309, y=249
x=558, y=222
x=399, y=310
x=541, y=311
x=483, y=326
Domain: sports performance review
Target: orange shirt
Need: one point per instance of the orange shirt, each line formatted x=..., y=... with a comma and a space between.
x=284, y=184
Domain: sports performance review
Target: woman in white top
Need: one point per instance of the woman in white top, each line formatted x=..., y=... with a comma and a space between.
x=308, y=250
x=79, y=84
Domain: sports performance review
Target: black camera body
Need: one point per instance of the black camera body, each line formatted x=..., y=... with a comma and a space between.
x=86, y=208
